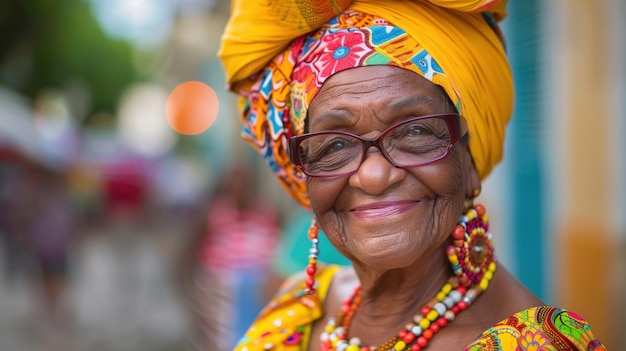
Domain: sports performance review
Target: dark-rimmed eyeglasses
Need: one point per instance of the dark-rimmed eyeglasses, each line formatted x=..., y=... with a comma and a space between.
x=413, y=142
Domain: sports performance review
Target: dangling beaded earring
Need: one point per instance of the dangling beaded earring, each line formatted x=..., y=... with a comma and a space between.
x=472, y=253
x=314, y=253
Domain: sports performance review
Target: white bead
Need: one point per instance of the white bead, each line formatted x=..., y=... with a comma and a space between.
x=355, y=341
x=417, y=330
x=456, y=296
x=440, y=308
x=341, y=346
x=448, y=301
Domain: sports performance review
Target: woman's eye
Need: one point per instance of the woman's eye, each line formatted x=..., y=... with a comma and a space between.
x=335, y=145
x=327, y=147
x=417, y=129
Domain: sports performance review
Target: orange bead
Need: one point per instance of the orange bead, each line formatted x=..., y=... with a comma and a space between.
x=480, y=209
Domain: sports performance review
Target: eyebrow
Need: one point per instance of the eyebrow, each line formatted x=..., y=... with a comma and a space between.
x=334, y=115
x=413, y=101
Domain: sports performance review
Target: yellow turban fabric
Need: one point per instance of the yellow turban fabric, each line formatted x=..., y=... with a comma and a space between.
x=266, y=41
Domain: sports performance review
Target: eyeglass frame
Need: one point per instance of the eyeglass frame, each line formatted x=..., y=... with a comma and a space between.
x=457, y=127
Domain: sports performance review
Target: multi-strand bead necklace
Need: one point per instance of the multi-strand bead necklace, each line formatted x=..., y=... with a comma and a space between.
x=472, y=261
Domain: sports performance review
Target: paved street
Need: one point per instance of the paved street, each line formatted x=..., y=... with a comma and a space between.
x=122, y=298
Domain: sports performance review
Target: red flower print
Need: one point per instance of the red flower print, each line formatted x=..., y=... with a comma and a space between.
x=340, y=51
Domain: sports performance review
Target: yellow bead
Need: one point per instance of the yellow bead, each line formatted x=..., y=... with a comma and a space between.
x=485, y=219
x=424, y=323
x=432, y=315
x=484, y=283
x=399, y=346
x=488, y=275
x=353, y=348
x=441, y=296
x=492, y=266
x=446, y=288
x=470, y=215
x=454, y=259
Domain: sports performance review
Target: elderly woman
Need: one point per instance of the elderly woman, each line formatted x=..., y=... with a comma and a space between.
x=383, y=117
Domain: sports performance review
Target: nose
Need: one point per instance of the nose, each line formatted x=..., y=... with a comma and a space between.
x=376, y=173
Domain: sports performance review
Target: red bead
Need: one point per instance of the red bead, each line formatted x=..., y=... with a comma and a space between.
x=366, y=348
x=416, y=347
x=455, y=309
x=425, y=310
x=462, y=290
x=428, y=334
x=402, y=333
x=310, y=270
x=309, y=282
x=462, y=305
x=422, y=341
x=442, y=322
x=458, y=233
x=408, y=338
x=434, y=327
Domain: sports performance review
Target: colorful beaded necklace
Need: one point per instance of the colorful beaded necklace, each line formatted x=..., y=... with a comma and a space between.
x=471, y=256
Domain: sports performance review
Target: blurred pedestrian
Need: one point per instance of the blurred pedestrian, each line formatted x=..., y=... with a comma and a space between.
x=232, y=258
x=51, y=233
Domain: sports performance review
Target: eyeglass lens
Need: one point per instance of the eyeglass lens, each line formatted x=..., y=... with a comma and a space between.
x=411, y=143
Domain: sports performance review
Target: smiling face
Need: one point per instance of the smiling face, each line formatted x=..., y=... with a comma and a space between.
x=383, y=216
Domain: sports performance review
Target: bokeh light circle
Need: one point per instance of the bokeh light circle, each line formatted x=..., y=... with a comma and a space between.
x=191, y=108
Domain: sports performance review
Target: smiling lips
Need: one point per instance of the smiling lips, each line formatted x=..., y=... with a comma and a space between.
x=381, y=210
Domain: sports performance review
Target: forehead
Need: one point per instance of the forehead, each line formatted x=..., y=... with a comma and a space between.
x=381, y=91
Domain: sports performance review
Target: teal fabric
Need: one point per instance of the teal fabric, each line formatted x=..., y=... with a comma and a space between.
x=292, y=254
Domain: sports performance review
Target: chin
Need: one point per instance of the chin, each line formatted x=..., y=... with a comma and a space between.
x=388, y=252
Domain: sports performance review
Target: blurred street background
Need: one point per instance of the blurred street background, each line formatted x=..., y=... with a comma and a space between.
x=117, y=233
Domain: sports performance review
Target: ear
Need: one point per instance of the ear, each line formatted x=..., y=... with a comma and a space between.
x=472, y=180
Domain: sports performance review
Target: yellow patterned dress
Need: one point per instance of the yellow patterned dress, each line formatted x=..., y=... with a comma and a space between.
x=285, y=325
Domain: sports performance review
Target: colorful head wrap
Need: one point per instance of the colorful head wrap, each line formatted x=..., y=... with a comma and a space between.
x=277, y=55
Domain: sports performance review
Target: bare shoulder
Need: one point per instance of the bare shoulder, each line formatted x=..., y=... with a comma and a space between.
x=505, y=297
x=508, y=295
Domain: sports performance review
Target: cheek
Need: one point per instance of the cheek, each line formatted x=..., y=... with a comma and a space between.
x=323, y=194
x=445, y=180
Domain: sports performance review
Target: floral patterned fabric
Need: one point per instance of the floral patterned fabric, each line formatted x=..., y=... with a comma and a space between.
x=285, y=325
x=543, y=328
